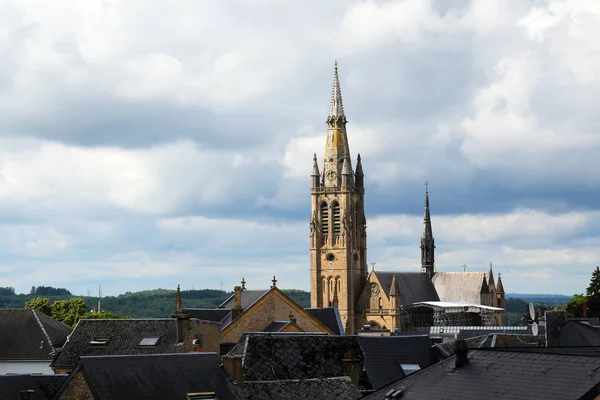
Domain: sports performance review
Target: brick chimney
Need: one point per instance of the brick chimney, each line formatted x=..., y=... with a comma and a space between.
x=237, y=305
x=461, y=350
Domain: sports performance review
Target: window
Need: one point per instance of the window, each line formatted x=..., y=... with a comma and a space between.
x=336, y=219
x=409, y=368
x=149, y=341
x=380, y=304
x=325, y=218
x=99, y=341
x=330, y=257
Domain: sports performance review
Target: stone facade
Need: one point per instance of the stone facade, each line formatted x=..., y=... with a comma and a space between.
x=338, y=250
x=77, y=389
x=273, y=306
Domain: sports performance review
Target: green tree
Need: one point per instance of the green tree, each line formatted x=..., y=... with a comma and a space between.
x=103, y=315
x=593, y=290
x=68, y=311
x=42, y=304
x=574, y=307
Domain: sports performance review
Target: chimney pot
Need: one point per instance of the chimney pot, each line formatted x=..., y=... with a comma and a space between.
x=461, y=350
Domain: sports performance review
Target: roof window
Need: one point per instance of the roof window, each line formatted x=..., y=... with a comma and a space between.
x=99, y=341
x=202, y=396
x=149, y=341
x=409, y=368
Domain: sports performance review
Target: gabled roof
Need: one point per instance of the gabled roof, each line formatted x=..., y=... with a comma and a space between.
x=384, y=354
x=27, y=334
x=329, y=316
x=44, y=386
x=249, y=297
x=229, y=324
x=124, y=337
x=276, y=326
x=413, y=286
x=459, y=286
x=285, y=357
x=156, y=376
x=501, y=375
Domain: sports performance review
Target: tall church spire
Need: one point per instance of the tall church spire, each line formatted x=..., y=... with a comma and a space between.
x=336, y=107
x=336, y=149
x=427, y=241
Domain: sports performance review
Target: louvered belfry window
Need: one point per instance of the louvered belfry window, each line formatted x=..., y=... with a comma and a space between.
x=325, y=218
x=336, y=219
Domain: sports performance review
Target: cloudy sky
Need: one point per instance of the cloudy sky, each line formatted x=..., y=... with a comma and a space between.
x=149, y=143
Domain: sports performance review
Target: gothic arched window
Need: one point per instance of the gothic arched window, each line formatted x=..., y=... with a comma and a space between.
x=380, y=304
x=336, y=218
x=325, y=218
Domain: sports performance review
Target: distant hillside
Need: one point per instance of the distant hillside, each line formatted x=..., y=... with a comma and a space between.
x=157, y=303
x=557, y=299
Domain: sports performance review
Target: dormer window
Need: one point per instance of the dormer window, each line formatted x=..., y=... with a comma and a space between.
x=202, y=396
x=99, y=341
x=149, y=342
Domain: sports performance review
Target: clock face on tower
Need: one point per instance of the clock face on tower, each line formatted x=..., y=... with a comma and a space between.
x=331, y=175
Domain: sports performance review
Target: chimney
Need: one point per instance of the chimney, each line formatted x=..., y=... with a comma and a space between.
x=26, y=394
x=237, y=305
x=197, y=343
x=233, y=366
x=351, y=367
x=461, y=350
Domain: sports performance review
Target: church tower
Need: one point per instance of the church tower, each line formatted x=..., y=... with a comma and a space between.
x=338, y=239
x=427, y=242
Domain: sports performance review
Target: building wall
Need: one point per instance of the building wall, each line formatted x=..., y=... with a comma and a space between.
x=271, y=308
x=210, y=334
x=25, y=367
x=374, y=305
x=77, y=389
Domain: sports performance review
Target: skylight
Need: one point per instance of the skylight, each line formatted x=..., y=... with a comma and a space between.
x=99, y=341
x=410, y=368
x=149, y=341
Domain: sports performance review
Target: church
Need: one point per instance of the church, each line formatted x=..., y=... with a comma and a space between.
x=339, y=274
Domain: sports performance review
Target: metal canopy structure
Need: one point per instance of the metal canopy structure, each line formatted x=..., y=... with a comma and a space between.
x=458, y=313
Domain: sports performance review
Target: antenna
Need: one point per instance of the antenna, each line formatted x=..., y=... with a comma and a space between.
x=99, y=297
x=534, y=324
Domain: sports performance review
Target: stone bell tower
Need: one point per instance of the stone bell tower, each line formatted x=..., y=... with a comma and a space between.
x=338, y=239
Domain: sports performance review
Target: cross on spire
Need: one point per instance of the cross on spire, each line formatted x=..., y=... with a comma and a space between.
x=464, y=267
x=243, y=284
x=426, y=187
x=373, y=266
x=274, y=282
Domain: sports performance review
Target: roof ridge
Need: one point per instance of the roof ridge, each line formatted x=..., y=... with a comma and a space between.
x=41, y=326
x=190, y=353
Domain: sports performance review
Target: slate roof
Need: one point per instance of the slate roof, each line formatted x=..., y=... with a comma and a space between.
x=501, y=375
x=494, y=340
x=576, y=333
x=339, y=388
x=288, y=357
x=124, y=337
x=413, y=286
x=249, y=297
x=27, y=334
x=208, y=314
x=383, y=355
x=459, y=286
x=276, y=326
x=156, y=376
x=44, y=386
x=330, y=317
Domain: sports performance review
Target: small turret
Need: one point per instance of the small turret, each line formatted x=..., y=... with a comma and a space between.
x=485, y=289
x=500, y=287
x=484, y=294
x=395, y=305
x=491, y=283
x=360, y=176
x=315, y=176
x=346, y=174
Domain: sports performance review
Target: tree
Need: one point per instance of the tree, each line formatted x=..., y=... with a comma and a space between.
x=7, y=291
x=68, y=311
x=574, y=307
x=593, y=290
x=42, y=304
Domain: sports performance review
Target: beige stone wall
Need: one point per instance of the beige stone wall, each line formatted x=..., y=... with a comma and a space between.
x=272, y=307
x=210, y=333
x=77, y=389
